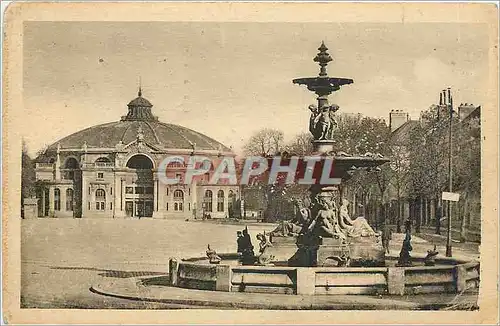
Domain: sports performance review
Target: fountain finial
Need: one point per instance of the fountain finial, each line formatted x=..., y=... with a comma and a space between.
x=323, y=58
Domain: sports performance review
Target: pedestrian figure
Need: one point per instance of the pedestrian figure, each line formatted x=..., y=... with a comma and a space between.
x=239, y=241
x=404, y=255
x=439, y=216
x=247, y=253
x=408, y=225
x=386, y=237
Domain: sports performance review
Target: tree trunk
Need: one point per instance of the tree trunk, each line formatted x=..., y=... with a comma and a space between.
x=398, y=221
x=439, y=215
x=420, y=215
x=429, y=212
x=463, y=224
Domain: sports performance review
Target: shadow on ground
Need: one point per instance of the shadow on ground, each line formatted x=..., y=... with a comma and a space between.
x=160, y=280
x=109, y=272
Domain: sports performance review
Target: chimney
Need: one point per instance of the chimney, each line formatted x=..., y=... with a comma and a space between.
x=397, y=118
x=465, y=109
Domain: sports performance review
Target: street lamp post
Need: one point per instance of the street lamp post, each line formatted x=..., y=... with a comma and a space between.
x=450, y=172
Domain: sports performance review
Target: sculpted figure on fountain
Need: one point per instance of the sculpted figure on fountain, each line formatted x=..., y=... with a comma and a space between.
x=264, y=257
x=324, y=223
x=358, y=227
x=297, y=224
x=322, y=121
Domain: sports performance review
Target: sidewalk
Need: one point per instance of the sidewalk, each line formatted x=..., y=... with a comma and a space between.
x=441, y=239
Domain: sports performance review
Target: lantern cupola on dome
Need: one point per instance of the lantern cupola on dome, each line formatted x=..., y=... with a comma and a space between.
x=139, y=109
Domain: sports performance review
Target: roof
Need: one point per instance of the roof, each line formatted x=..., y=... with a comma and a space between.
x=141, y=102
x=401, y=135
x=139, y=123
x=156, y=133
x=476, y=113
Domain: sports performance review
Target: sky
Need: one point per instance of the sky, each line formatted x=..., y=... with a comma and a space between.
x=229, y=80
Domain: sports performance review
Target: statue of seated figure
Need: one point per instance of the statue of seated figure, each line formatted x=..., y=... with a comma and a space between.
x=325, y=222
x=358, y=227
x=213, y=258
x=264, y=257
x=295, y=226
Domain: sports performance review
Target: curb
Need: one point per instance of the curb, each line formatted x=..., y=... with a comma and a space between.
x=112, y=289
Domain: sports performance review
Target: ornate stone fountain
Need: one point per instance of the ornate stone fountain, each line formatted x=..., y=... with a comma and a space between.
x=327, y=235
x=321, y=251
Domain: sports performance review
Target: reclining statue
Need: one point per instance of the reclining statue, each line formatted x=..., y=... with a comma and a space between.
x=324, y=224
x=297, y=224
x=358, y=227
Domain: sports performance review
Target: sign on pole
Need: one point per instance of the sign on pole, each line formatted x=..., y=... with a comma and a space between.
x=451, y=196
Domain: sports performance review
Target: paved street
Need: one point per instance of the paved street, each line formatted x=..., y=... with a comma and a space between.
x=62, y=258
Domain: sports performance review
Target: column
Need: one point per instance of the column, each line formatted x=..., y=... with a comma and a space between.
x=43, y=202
x=85, y=196
x=63, y=199
x=396, y=280
x=173, y=271
x=223, y=278
x=194, y=199
x=306, y=281
x=58, y=164
x=156, y=193
x=118, y=192
x=51, y=201
x=460, y=277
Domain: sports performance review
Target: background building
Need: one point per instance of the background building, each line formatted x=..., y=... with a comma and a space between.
x=109, y=170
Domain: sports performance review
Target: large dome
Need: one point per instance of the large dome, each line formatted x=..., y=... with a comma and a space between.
x=139, y=117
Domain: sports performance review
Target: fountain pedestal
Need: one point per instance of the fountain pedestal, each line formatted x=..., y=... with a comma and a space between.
x=366, y=251
x=322, y=252
x=283, y=247
x=317, y=251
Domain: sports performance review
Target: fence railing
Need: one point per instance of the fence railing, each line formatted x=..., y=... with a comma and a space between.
x=44, y=165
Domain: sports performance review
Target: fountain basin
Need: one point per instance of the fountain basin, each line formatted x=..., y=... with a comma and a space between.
x=448, y=276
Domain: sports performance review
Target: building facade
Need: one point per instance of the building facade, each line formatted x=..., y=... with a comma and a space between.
x=111, y=171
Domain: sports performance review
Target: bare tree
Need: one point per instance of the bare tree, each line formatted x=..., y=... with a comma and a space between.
x=301, y=145
x=265, y=142
x=27, y=175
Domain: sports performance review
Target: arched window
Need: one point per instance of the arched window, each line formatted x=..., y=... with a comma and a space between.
x=71, y=163
x=220, y=201
x=103, y=161
x=100, y=199
x=101, y=194
x=140, y=162
x=69, y=199
x=178, y=200
x=178, y=194
x=57, y=199
x=176, y=164
x=208, y=200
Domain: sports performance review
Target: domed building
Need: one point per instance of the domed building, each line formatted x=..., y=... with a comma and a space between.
x=110, y=170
